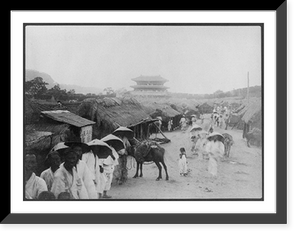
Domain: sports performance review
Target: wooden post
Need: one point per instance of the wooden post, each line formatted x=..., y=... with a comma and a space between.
x=161, y=132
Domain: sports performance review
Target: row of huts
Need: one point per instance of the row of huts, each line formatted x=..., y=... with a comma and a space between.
x=46, y=123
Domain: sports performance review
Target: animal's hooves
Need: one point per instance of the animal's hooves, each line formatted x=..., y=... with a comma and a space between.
x=167, y=178
x=134, y=176
x=158, y=179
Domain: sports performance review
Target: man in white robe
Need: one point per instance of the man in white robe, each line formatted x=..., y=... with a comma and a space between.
x=34, y=185
x=108, y=166
x=85, y=173
x=86, y=176
x=66, y=178
x=54, y=161
x=92, y=162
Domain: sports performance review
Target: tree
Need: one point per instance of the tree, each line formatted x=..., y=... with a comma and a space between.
x=71, y=92
x=36, y=87
x=109, y=91
x=57, y=93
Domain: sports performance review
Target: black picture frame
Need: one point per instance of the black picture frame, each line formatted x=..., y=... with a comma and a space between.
x=280, y=217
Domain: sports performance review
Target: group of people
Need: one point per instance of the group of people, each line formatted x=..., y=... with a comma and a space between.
x=75, y=172
x=211, y=147
x=220, y=115
x=183, y=123
x=208, y=145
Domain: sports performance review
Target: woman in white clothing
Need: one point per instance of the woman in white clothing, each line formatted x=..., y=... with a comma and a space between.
x=215, y=151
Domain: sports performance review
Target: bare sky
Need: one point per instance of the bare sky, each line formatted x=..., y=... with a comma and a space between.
x=195, y=59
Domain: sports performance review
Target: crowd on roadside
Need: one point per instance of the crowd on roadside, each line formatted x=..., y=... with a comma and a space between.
x=77, y=170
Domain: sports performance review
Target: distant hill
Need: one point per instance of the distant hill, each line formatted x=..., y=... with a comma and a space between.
x=31, y=74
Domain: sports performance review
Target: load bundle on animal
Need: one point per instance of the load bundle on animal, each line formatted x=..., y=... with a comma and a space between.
x=149, y=151
x=112, y=113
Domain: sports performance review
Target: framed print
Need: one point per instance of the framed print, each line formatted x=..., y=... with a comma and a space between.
x=134, y=117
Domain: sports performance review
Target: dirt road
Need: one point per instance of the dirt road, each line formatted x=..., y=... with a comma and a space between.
x=239, y=176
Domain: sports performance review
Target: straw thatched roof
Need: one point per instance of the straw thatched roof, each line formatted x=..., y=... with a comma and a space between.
x=248, y=110
x=44, y=136
x=33, y=109
x=42, y=132
x=34, y=137
x=164, y=110
x=251, y=112
x=109, y=113
x=205, y=107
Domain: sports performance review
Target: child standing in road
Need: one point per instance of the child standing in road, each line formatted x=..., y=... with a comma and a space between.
x=182, y=162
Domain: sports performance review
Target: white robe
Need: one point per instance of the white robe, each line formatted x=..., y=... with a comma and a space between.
x=215, y=151
x=86, y=176
x=48, y=176
x=92, y=162
x=108, y=165
x=182, y=165
x=200, y=146
x=71, y=183
x=34, y=186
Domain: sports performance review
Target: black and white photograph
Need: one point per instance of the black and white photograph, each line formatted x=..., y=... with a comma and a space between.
x=148, y=117
x=143, y=112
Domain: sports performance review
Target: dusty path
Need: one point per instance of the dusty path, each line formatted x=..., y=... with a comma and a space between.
x=239, y=176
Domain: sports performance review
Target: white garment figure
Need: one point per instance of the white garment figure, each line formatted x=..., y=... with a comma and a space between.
x=215, y=151
x=182, y=164
x=34, y=186
x=86, y=176
x=48, y=176
x=64, y=181
x=108, y=165
x=92, y=162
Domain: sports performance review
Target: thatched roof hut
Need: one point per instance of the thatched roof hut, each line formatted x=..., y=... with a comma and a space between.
x=161, y=109
x=37, y=129
x=205, y=108
x=45, y=127
x=165, y=110
x=110, y=112
x=252, y=114
x=40, y=138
